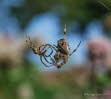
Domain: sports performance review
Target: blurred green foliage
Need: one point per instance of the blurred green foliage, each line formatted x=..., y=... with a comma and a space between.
x=23, y=82
x=106, y=3
x=67, y=10
x=26, y=82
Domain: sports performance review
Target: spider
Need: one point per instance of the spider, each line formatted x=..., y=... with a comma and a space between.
x=41, y=51
x=62, y=51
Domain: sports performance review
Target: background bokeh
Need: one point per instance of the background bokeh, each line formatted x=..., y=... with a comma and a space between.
x=87, y=74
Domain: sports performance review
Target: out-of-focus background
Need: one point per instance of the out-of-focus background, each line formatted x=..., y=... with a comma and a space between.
x=87, y=74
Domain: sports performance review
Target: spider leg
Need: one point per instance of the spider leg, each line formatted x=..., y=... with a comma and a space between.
x=54, y=47
x=50, y=53
x=61, y=64
x=53, y=61
x=29, y=43
x=47, y=61
x=51, y=50
x=75, y=49
x=44, y=46
x=46, y=49
x=63, y=61
x=64, y=31
x=43, y=62
x=50, y=46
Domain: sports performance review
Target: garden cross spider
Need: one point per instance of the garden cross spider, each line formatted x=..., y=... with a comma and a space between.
x=41, y=51
x=62, y=51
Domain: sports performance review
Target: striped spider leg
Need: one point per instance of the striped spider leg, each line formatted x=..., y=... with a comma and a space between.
x=41, y=51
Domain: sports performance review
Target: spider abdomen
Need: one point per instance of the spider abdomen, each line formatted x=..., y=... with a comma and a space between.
x=63, y=46
x=36, y=51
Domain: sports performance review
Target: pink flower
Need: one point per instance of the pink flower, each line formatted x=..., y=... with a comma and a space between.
x=100, y=49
